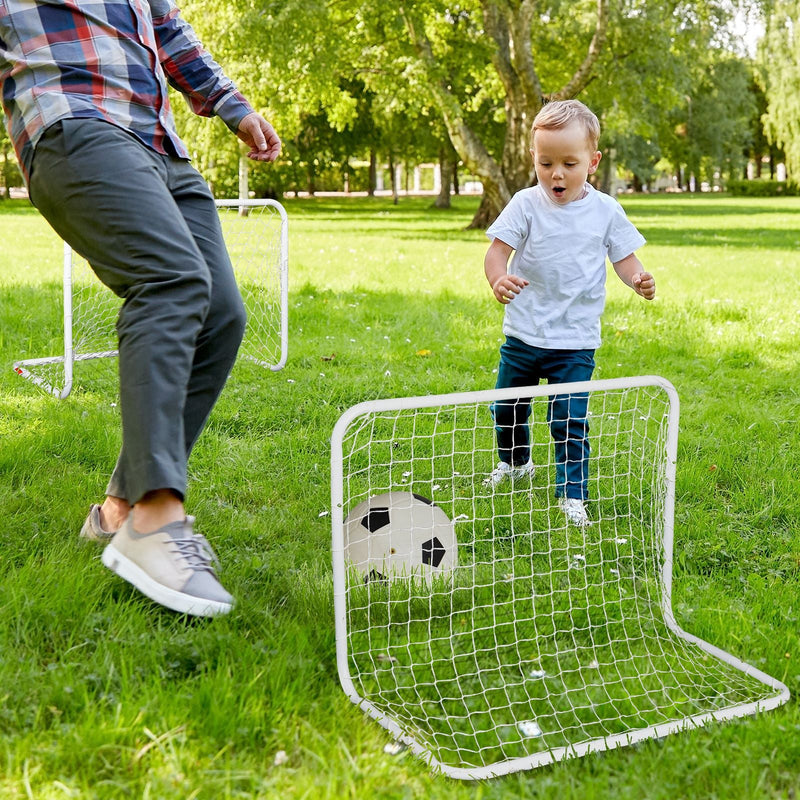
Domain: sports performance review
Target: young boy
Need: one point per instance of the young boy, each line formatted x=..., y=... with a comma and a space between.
x=560, y=232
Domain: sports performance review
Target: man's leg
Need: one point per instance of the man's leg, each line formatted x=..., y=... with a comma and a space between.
x=224, y=325
x=107, y=195
x=219, y=338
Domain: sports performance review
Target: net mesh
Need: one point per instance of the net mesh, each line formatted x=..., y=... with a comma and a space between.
x=255, y=236
x=547, y=639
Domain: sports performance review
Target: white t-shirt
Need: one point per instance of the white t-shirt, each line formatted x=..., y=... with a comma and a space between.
x=561, y=251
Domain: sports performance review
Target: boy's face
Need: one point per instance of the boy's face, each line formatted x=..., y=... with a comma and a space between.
x=563, y=160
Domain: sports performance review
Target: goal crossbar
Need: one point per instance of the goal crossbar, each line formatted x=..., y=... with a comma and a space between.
x=547, y=641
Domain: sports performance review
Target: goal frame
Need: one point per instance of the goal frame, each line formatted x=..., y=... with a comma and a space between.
x=25, y=368
x=610, y=742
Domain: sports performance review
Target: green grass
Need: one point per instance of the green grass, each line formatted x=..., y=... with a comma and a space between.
x=104, y=695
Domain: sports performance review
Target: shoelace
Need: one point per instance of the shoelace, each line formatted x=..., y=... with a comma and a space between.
x=196, y=550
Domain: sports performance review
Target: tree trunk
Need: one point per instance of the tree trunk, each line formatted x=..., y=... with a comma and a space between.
x=311, y=187
x=6, y=191
x=517, y=164
x=484, y=216
x=373, y=172
x=445, y=165
x=509, y=26
x=393, y=172
x=456, y=187
x=244, y=182
x=606, y=165
x=492, y=203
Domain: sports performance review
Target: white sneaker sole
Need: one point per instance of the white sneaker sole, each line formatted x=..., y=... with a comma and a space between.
x=163, y=595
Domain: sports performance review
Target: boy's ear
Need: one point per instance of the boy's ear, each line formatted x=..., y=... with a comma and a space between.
x=594, y=162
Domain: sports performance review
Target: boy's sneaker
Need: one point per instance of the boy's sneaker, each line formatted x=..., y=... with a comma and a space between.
x=172, y=566
x=574, y=510
x=505, y=471
x=93, y=530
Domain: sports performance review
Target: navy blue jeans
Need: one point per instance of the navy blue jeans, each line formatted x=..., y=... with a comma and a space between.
x=524, y=365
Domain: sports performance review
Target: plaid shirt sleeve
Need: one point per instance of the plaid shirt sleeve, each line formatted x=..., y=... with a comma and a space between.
x=106, y=59
x=191, y=70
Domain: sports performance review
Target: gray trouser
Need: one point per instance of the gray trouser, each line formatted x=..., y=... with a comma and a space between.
x=148, y=226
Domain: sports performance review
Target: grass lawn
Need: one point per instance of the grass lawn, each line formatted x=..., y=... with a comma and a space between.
x=104, y=695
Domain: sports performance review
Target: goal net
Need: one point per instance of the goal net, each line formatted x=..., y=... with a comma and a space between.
x=256, y=235
x=539, y=640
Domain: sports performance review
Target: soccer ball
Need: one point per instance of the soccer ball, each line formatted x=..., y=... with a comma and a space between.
x=400, y=534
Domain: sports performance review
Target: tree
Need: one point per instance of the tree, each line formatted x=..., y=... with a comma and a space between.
x=393, y=79
x=9, y=173
x=710, y=130
x=779, y=56
x=509, y=27
x=761, y=146
x=487, y=66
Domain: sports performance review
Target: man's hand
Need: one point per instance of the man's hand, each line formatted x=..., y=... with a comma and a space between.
x=260, y=137
x=507, y=287
x=644, y=284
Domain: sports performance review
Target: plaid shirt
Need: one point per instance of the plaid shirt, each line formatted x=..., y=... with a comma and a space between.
x=109, y=60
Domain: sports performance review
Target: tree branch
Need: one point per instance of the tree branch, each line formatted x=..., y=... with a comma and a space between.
x=523, y=54
x=513, y=58
x=464, y=140
x=582, y=75
x=495, y=25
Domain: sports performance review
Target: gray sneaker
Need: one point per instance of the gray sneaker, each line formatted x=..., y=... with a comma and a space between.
x=172, y=566
x=92, y=530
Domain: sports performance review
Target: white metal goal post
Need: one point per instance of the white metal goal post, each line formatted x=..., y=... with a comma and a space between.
x=256, y=235
x=543, y=640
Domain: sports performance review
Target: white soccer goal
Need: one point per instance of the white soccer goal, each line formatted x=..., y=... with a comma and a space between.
x=546, y=641
x=256, y=234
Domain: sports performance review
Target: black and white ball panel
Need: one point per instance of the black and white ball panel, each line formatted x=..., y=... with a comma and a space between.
x=400, y=534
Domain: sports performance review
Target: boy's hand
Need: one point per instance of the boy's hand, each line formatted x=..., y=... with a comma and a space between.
x=507, y=287
x=644, y=284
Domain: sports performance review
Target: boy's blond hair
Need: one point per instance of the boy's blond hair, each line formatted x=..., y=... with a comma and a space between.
x=560, y=113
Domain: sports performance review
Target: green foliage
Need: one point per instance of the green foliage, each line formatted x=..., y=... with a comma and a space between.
x=763, y=188
x=779, y=61
x=346, y=79
x=10, y=174
x=407, y=82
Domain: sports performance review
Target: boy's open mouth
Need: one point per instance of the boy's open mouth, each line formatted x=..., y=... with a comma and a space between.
x=559, y=190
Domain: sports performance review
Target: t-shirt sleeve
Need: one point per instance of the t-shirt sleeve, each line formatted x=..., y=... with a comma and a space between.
x=623, y=237
x=510, y=226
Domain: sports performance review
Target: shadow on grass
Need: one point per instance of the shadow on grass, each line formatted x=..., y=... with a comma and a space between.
x=416, y=343
x=373, y=206
x=706, y=206
x=416, y=219
x=748, y=238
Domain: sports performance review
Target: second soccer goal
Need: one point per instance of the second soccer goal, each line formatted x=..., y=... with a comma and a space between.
x=256, y=235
